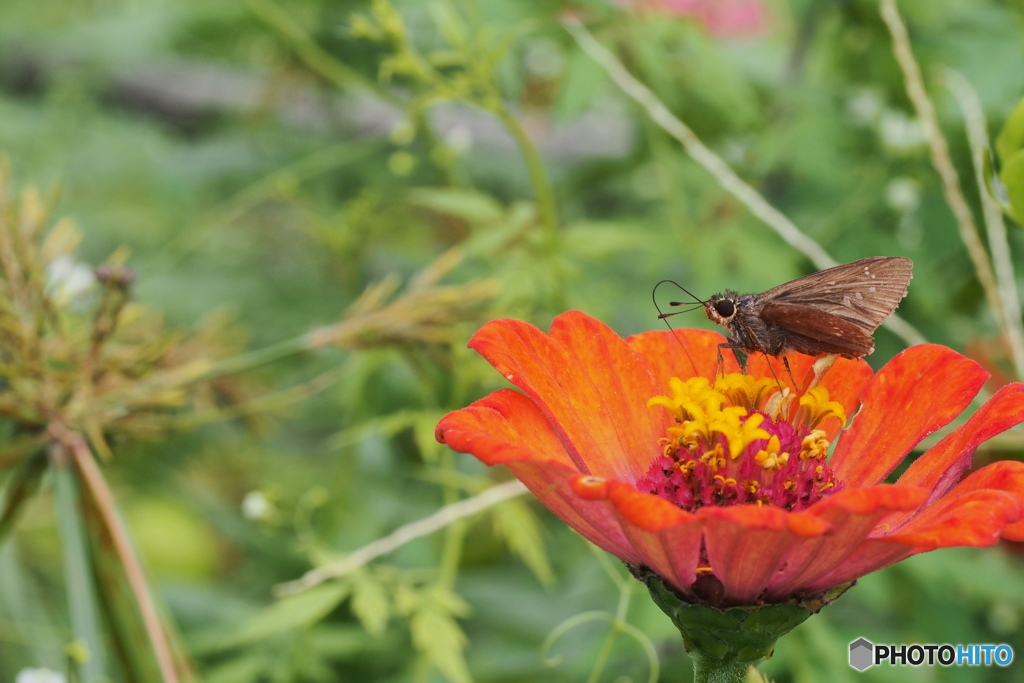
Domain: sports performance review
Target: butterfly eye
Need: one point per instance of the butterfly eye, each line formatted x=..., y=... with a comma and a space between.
x=725, y=308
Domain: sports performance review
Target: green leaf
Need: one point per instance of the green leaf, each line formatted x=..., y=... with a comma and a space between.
x=1012, y=175
x=474, y=207
x=449, y=24
x=438, y=637
x=600, y=240
x=515, y=521
x=423, y=433
x=370, y=602
x=1011, y=138
x=581, y=83
x=993, y=185
x=82, y=598
x=292, y=612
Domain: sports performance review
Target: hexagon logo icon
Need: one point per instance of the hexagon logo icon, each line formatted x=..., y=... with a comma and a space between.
x=861, y=654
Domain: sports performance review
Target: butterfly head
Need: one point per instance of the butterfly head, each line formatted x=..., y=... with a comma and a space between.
x=721, y=308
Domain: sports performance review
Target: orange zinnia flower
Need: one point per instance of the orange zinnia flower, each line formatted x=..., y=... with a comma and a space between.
x=719, y=482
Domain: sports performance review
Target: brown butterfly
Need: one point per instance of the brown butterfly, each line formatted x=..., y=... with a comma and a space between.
x=835, y=311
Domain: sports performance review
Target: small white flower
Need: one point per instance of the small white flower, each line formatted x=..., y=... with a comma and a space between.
x=900, y=132
x=903, y=194
x=67, y=278
x=39, y=676
x=256, y=505
x=864, y=106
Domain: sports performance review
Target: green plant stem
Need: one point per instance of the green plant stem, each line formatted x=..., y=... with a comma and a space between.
x=315, y=57
x=85, y=624
x=621, y=612
x=999, y=246
x=542, y=189
x=710, y=670
x=939, y=148
x=455, y=534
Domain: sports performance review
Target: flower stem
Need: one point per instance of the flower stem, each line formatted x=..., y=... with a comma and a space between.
x=710, y=670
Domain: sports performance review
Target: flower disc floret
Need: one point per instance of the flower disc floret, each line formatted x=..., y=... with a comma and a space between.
x=772, y=459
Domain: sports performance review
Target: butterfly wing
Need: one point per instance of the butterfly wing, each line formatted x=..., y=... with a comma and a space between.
x=810, y=331
x=863, y=293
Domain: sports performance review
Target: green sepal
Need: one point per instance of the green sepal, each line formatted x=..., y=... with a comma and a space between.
x=731, y=638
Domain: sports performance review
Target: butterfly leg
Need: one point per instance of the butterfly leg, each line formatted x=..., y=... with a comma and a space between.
x=785, y=362
x=740, y=358
x=771, y=369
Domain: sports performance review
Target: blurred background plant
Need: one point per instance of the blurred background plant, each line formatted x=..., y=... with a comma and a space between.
x=333, y=196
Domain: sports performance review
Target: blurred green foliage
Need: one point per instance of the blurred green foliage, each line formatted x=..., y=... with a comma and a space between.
x=286, y=166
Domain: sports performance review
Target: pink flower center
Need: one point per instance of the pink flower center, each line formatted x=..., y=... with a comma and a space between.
x=743, y=440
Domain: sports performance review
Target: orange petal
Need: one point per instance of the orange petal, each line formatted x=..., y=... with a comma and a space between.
x=593, y=518
x=976, y=518
x=661, y=536
x=682, y=353
x=745, y=544
x=591, y=386
x=942, y=465
x=623, y=381
x=852, y=516
x=918, y=391
x=1005, y=475
x=503, y=427
x=844, y=380
x=664, y=536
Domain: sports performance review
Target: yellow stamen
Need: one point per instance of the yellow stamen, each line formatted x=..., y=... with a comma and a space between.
x=686, y=467
x=715, y=458
x=746, y=390
x=815, y=407
x=770, y=458
x=814, y=446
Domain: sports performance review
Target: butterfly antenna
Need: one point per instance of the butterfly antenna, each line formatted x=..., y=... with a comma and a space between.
x=694, y=305
x=666, y=316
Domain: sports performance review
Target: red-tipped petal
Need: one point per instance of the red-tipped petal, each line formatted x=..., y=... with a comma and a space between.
x=940, y=467
x=503, y=427
x=593, y=518
x=853, y=515
x=745, y=544
x=661, y=536
x=916, y=392
x=1006, y=476
x=604, y=424
x=508, y=428
x=976, y=518
x=665, y=537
